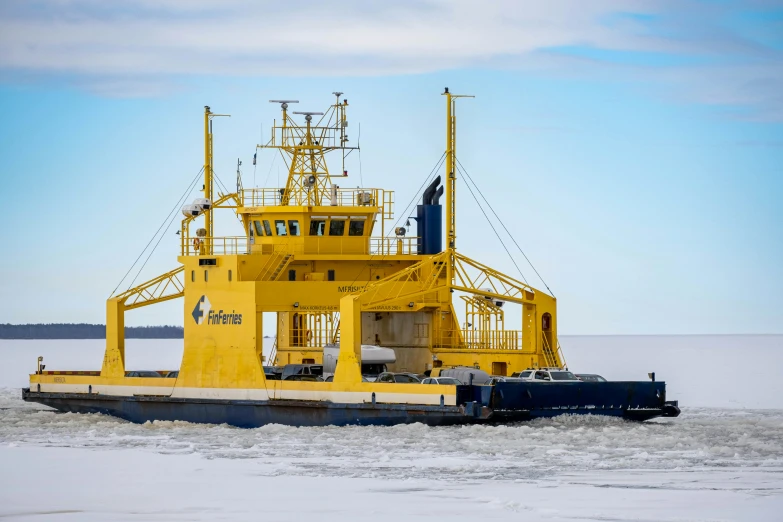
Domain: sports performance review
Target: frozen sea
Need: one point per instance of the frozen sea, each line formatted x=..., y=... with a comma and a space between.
x=722, y=459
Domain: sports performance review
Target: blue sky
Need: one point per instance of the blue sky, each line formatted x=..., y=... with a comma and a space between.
x=634, y=149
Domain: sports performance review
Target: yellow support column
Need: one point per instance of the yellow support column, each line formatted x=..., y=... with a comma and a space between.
x=349, y=361
x=114, y=357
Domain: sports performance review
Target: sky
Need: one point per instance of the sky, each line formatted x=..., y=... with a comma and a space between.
x=633, y=149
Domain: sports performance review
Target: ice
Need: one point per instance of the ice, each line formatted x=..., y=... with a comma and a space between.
x=711, y=463
x=701, y=439
x=121, y=485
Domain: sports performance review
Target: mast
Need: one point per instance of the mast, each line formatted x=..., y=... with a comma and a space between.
x=208, y=177
x=208, y=174
x=304, y=148
x=451, y=177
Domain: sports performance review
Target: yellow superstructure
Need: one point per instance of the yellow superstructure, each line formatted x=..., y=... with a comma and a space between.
x=329, y=263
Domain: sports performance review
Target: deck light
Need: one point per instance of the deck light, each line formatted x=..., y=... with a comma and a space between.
x=296, y=304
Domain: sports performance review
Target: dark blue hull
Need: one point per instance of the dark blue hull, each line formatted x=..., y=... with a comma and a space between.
x=502, y=403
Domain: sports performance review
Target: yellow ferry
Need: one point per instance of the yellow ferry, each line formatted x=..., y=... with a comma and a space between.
x=365, y=311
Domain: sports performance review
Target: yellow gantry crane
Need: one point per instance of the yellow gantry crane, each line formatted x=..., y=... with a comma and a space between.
x=434, y=291
x=309, y=255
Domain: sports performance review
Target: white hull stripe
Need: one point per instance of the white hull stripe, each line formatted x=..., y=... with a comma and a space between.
x=253, y=394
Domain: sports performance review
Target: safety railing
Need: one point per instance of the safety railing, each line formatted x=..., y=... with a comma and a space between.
x=348, y=245
x=356, y=197
x=200, y=246
x=323, y=136
x=314, y=329
x=469, y=339
x=378, y=246
x=387, y=246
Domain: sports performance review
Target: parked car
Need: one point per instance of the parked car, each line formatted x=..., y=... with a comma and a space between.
x=546, y=375
x=465, y=374
x=142, y=373
x=303, y=377
x=499, y=378
x=330, y=378
x=398, y=377
x=590, y=377
x=301, y=369
x=273, y=373
x=442, y=380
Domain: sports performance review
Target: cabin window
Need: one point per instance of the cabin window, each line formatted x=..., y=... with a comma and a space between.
x=280, y=227
x=330, y=275
x=356, y=228
x=193, y=276
x=229, y=275
x=206, y=275
x=267, y=228
x=259, y=230
x=293, y=226
x=336, y=227
x=317, y=227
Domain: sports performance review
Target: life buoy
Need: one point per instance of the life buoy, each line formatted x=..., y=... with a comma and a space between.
x=196, y=244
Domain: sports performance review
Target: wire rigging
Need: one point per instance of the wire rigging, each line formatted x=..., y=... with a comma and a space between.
x=271, y=165
x=192, y=186
x=494, y=230
x=178, y=204
x=427, y=180
x=467, y=176
x=358, y=145
x=404, y=214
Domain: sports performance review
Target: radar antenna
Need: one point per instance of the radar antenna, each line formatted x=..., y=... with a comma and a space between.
x=284, y=103
x=309, y=115
x=304, y=146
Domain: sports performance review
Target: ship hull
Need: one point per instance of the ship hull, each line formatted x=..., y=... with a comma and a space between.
x=253, y=414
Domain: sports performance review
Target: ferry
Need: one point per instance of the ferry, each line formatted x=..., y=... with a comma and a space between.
x=346, y=280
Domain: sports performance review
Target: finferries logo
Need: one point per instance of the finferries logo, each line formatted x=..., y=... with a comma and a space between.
x=203, y=310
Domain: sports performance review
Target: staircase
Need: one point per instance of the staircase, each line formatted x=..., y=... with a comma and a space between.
x=270, y=359
x=549, y=355
x=336, y=335
x=275, y=266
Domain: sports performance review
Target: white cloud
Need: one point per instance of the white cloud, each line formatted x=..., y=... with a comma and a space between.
x=109, y=43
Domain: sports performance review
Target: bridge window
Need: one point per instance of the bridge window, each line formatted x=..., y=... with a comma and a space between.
x=280, y=227
x=267, y=228
x=317, y=227
x=336, y=227
x=259, y=230
x=356, y=228
x=293, y=226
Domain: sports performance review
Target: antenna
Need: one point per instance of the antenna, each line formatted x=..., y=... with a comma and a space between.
x=284, y=103
x=309, y=114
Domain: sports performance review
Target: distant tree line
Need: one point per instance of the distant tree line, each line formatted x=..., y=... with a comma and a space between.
x=85, y=331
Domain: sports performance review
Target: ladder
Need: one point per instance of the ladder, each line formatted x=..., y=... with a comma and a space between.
x=275, y=266
x=549, y=355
